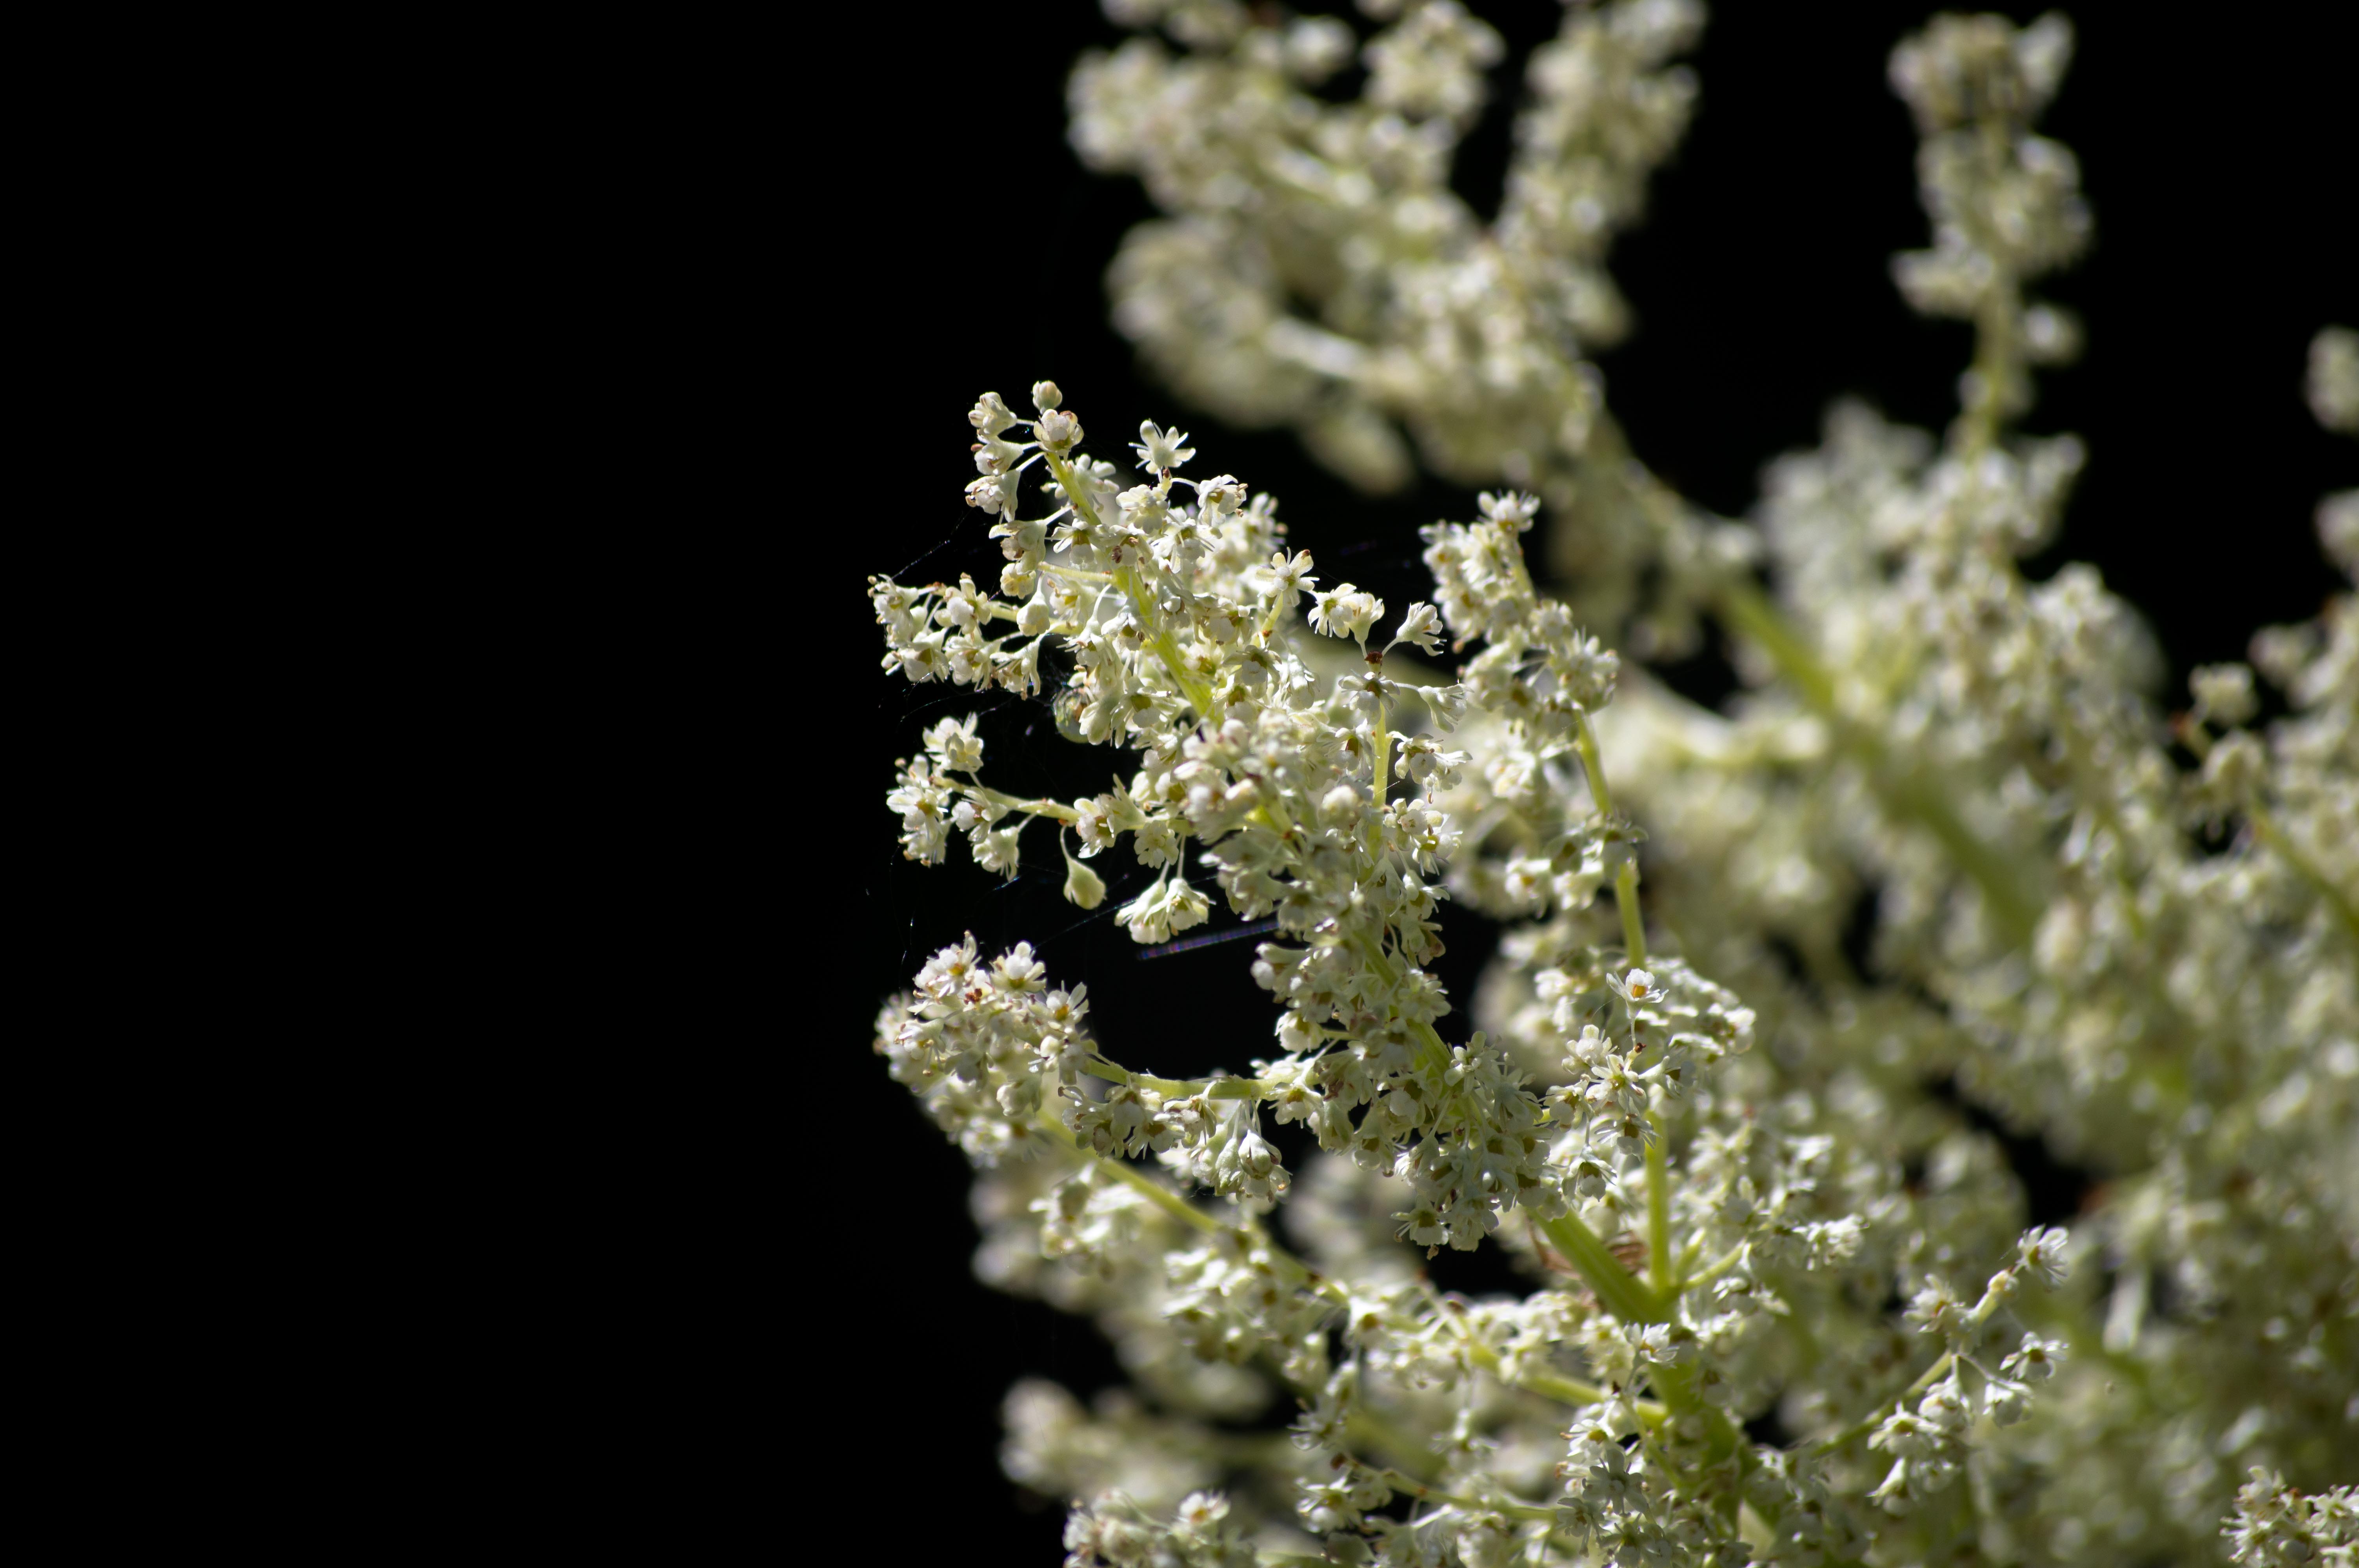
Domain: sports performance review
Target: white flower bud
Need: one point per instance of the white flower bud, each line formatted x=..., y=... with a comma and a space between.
x=989, y=416
x=2034, y=1361
x=1058, y=431
x=1082, y=886
x=1420, y=629
x=2223, y=693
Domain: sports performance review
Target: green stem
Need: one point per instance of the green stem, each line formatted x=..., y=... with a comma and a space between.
x=2274, y=838
x=1997, y=351
x=1435, y=1055
x=1366, y=1429
x=1984, y=1309
x=1677, y=1386
x=1416, y=1488
x=1175, y=1088
x=1162, y=1197
x=1634, y=938
x=1142, y=603
x=1659, y=1210
x=1712, y=1271
x=1585, y=738
x=1565, y=1390
x=1868, y=1422
x=1625, y=877
x=1625, y=902
x=1056, y=809
x=1555, y=1386
x=2014, y=905
x=1624, y=1293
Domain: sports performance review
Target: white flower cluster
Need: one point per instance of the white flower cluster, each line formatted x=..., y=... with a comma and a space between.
x=2135, y=938
x=982, y=1043
x=1308, y=806
x=2276, y=1524
x=2005, y=204
x=1169, y=602
x=1316, y=270
x=1114, y=1531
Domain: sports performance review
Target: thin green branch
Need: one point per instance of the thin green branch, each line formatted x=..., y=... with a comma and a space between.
x=1364, y=1427
x=1566, y=1391
x=1906, y=793
x=1659, y=1264
x=1053, y=809
x=2266, y=825
x=1175, y=1088
x=1710, y=1272
x=1869, y=1423
x=1411, y=1486
x=1624, y=1293
x=1162, y=1196
x=1142, y=604
x=1625, y=876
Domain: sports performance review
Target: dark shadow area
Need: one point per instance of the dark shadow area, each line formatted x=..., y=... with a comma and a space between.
x=1704, y=677
x=1859, y=931
x=1769, y=1429
x=1488, y=1270
x=2054, y=1190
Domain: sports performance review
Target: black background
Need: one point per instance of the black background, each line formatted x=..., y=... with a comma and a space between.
x=959, y=246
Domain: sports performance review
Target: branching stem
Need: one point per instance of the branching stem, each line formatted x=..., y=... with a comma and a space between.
x=1625, y=876
x=2014, y=905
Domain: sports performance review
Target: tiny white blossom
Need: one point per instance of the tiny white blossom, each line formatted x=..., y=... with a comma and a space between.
x=2006, y=1404
x=1656, y=1343
x=1512, y=510
x=2223, y=693
x=1420, y=628
x=1148, y=918
x=1446, y=703
x=1892, y=1493
x=1344, y=611
x=1636, y=987
x=1161, y=450
x=1017, y=972
x=954, y=745
x=1285, y=578
x=2047, y=1252
x=994, y=494
x=1935, y=1309
x=1058, y=431
x=989, y=416
x=2034, y=1360
x=1906, y=1434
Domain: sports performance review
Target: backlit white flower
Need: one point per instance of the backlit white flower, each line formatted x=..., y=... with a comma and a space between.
x=1344, y=611
x=1161, y=450
x=1636, y=987
x=2047, y=1252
